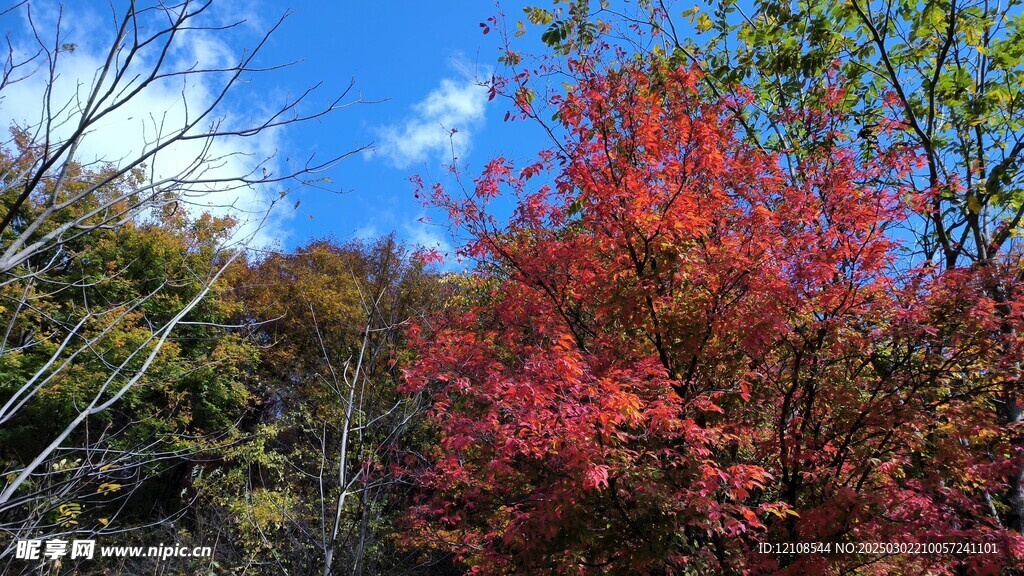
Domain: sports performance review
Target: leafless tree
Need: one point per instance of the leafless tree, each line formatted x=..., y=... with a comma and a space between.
x=367, y=431
x=54, y=195
x=324, y=484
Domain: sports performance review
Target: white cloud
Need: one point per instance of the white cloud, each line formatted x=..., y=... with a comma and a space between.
x=161, y=108
x=454, y=105
x=426, y=235
x=366, y=232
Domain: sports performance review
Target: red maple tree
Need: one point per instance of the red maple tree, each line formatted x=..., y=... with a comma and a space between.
x=680, y=347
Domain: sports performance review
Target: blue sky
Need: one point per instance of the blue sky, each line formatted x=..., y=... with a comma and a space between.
x=422, y=59
x=418, y=65
x=419, y=62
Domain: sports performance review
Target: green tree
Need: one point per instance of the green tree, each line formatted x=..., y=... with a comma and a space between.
x=115, y=369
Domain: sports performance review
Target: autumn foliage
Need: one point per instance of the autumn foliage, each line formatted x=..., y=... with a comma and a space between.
x=680, y=346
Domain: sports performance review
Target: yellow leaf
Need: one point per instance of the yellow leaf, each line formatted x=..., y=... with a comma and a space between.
x=703, y=23
x=108, y=487
x=973, y=204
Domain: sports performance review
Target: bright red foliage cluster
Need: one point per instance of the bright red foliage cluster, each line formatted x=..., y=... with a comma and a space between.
x=684, y=347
